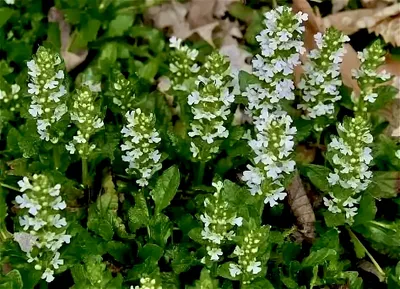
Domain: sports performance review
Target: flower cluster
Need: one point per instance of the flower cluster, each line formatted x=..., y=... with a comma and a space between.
x=350, y=156
x=148, y=283
x=85, y=113
x=140, y=145
x=43, y=225
x=210, y=105
x=272, y=148
x=218, y=218
x=9, y=96
x=321, y=79
x=281, y=45
x=251, y=255
x=47, y=89
x=367, y=76
x=183, y=64
x=123, y=93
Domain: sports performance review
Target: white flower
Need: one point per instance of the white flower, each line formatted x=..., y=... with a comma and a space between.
x=371, y=97
x=56, y=261
x=350, y=212
x=237, y=221
x=48, y=275
x=234, y=270
x=24, y=184
x=59, y=222
x=24, y=201
x=194, y=149
x=70, y=147
x=33, y=89
x=333, y=179
x=397, y=154
x=254, y=267
x=214, y=253
x=58, y=204
x=55, y=191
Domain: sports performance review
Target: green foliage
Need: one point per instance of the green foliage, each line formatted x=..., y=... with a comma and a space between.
x=192, y=225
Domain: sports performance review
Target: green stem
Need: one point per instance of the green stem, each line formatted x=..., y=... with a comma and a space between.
x=10, y=187
x=56, y=157
x=85, y=181
x=200, y=173
x=353, y=236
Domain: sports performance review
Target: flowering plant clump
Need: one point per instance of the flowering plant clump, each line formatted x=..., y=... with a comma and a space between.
x=48, y=90
x=140, y=145
x=44, y=227
x=350, y=156
x=273, y=148
x=135, y=160
x=210, y=104
x=219, y=220
x=251, y=251
x=183, y=64
x=122, y=93
x=85, y=114
x=321, y=79
x=368, y=78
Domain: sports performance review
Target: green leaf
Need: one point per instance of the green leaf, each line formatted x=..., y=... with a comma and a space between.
x=223, y=271
x=138, y=216
x=318, y=176
x=102, y=215
x=120, y=25
x=5, y=14
x=259, y=283
x=182, y=259
x=166, y=188
x=334, y=220
x=318, y=257
x=12, y=280
x=386, y=93
x=152, y=251
x=245, y=79
x=366, y=211
x=4, y=234
x=120, y=251
x=205, y=282
x=384, y=185
x=358, y=246
x=149, y=70
x=160, y=229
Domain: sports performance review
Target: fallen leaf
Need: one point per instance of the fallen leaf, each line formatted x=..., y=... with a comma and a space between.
x=201, y=12
x=376, y=3
x=338, y=5
x=71, y=60
x=371, y=268
x=221, y=6
x=389, y=29
x=301, y=207
x=351, y=21
x=170, y=15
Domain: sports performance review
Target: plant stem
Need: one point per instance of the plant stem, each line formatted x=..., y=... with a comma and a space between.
x=200, y=173
x=85, y=172
x=10, y=187
x=56, y=157
x=353, y=236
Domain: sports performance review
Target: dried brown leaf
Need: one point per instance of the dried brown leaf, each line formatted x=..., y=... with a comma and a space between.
x=170, y=15
x=301, y=207
x=222, y=6
x=338, y=5
x=201, y=12
x=389, y=29
x=71, y=60
x=350, y=22
x=376, y=3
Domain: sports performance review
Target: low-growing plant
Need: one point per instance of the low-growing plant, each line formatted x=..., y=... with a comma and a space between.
x=107, y=182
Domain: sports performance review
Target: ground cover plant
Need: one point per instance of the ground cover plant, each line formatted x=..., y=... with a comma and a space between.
x=145, y=147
